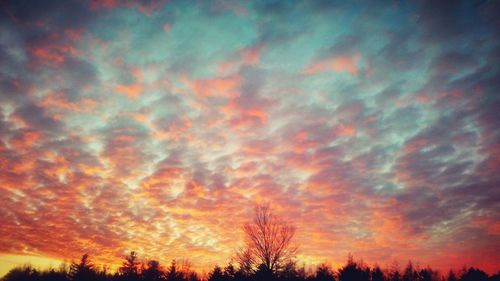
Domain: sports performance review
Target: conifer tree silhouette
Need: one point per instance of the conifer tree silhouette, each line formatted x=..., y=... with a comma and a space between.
x=82, y=271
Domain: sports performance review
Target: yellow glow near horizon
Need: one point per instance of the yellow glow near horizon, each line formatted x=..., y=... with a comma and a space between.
x=9, y=261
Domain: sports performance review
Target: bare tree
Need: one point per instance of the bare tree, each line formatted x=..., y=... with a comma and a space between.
x=268, y=241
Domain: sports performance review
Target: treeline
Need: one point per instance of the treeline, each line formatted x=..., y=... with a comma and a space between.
x=134, y=270
x=268, y=255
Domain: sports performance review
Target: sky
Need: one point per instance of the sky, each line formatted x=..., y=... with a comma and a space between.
x=156, y=126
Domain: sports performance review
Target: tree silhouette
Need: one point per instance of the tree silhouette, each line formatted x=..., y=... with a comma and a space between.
x=230, y=271
x=174, y=274
x=410, y=274
x=474, y=274
x=427, y=274
x=268, y=242
x=246, y=262
x=324, y=273
x=266, y=257
x=451, y=276
x=290, y=272
x=28, y=273
x=216, y=274
x=264, y=273
x=377, y=274
x=153, y=272
x=21, y=273
x=353, y=271
x=495, y=277
x=394, y=274
x=130, y=267
x=82, y=271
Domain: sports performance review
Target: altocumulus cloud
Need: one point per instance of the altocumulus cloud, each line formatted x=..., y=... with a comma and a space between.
x=155, y=127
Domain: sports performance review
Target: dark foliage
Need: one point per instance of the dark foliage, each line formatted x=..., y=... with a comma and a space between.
x=153, y=271
x=377, y=274
x=354, y=271
x=133, y=269
x=129, y=271
x=82, y=271
x=474, y=274
x=324, y=273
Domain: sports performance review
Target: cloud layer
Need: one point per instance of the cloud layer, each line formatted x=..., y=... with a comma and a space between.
x=156, y=127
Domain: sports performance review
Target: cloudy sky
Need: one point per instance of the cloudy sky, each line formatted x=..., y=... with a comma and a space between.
x=373, y=126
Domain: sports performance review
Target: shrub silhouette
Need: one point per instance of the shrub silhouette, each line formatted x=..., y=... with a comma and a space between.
x=25, y=272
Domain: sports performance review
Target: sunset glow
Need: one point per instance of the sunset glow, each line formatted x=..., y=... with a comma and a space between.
x=373, y=127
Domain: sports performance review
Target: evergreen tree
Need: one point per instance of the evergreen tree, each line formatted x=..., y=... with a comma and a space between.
x=377, y=274
x=153, y=271
x=216, y=274
x=474, y=274
x=324, y=273
x=130, y=267
x=353, y=271
x=83, y=271
x=452, y=276
x=173, y=274
x=410, y=274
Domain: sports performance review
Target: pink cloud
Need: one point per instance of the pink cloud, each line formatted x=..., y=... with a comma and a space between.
x=166, y=27
x=26, y=139
x=347, y=64
x=216, y=88
x=249, y=56
x=147, y=8
x=54, y=49
x=106, y=4
x=175, y=129
x=345, y=130
x=59, y=100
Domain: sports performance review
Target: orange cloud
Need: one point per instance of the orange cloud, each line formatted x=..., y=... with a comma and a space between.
x=243, y=118
x=347, y=64
x=26, y=139
x=220, y=88
x=132, y=91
